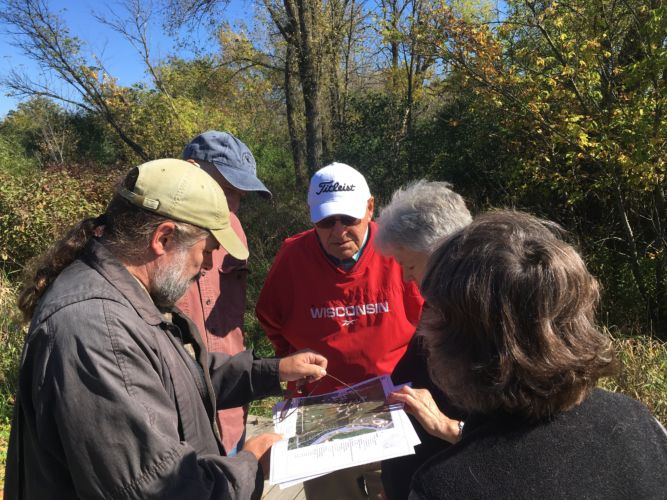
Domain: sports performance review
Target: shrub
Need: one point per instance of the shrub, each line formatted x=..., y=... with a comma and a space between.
x=12, y=159
x=267, y=223
x=36, y=208
x=12, y=333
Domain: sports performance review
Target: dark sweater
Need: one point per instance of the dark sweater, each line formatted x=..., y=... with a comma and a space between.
x=608, y=447
x=397, y=472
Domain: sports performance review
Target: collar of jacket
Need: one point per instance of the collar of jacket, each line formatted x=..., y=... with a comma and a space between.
x=103, y=261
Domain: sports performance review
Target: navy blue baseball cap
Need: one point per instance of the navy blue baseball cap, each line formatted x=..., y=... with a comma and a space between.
x=230, y=156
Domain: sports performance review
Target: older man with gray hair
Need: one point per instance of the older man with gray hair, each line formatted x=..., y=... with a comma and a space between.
x=330, y=290
x=410, y=228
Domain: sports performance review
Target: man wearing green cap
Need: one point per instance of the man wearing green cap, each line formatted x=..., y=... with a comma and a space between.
x=117, y=394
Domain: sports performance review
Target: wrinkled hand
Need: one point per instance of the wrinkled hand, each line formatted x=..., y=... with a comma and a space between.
x=307, y=366
x=420, y=404
x=260, y=446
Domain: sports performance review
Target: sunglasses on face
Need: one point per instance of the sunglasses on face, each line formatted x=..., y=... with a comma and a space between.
x=345, y=220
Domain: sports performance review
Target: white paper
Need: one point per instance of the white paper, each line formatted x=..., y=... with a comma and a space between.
x=343, y=429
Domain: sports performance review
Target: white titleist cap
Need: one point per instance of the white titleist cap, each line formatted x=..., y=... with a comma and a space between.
x=337, y=189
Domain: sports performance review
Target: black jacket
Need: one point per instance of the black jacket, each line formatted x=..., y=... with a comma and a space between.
x=397, y=473
x=608, y=447
x=111, y=404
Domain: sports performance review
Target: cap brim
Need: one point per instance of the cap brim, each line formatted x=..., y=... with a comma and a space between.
x=230, y=242
x=243, y=180
x=338, y=207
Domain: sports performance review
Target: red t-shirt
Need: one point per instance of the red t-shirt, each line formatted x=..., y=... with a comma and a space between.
x=361, y=319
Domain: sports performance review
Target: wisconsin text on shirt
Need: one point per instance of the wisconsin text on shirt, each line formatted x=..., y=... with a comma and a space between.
x=349, y=310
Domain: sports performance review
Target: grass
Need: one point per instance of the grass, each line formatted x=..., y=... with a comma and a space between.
x=642, y=368
x=642, y=372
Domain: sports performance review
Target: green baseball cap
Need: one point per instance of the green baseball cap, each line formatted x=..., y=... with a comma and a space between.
x=182, y=191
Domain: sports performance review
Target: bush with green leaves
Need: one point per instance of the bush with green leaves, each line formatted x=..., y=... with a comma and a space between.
x=13, y=160
x=267, y=223
x=37, y=208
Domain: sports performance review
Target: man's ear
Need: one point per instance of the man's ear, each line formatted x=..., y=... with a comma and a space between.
x=371, y=206
x=164, y=238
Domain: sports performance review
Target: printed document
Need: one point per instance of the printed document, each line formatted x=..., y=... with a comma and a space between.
x=349, y=427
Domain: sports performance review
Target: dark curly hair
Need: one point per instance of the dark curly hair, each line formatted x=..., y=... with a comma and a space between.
x=510, y=324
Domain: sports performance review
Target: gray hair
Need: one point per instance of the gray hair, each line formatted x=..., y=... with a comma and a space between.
x=420, y=215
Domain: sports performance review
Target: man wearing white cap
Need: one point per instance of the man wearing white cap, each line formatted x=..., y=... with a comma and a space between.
x=330, y=291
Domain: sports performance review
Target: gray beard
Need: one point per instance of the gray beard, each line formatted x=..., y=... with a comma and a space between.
x=169, y=284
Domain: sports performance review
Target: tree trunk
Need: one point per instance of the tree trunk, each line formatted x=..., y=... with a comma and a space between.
x=310, y=85
x=634, y=255
x=660, y=263
x=300, y=172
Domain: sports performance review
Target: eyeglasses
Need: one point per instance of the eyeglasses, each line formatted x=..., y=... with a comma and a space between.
x=345, y=220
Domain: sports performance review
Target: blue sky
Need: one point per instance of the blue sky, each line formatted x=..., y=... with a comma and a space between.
x=119, y=57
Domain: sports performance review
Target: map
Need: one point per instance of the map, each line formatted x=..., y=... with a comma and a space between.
x=341, y=415
x=328, y=432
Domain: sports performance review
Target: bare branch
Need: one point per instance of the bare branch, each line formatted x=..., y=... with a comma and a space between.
x=45, y=39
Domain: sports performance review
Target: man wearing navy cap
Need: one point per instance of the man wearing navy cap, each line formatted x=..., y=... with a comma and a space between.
x=216, y=301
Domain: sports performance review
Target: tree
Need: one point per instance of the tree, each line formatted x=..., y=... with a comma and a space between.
x=585, y=80
x=298, y=22
x=43, y=37
x=43, y=130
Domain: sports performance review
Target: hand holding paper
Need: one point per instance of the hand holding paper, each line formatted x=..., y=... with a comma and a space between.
x=303, y=365
x=348, y=427
x=260, y=446
x=420, y=404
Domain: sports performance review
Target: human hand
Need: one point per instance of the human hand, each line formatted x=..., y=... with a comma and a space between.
x=260, y=446
x=306, y=366
x=420, y=404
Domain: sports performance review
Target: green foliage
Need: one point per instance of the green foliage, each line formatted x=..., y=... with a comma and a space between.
x=370, y=140
x=156, y=121
x=42, y=129
x=12, y=333
x=578, y=90
x=13, y=160
x=467, y=144
x=41, y=133
x=261, y=407
x=267, y=223
x=94, y=141
x=36, y=208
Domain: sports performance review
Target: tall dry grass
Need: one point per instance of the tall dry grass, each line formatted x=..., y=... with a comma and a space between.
x=642, y=372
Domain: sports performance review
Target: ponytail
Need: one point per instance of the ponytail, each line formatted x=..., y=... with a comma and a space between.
x=124, y=229
x=53, y=261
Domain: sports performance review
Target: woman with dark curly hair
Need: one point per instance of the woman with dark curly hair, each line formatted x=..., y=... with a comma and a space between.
x=512, y=340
